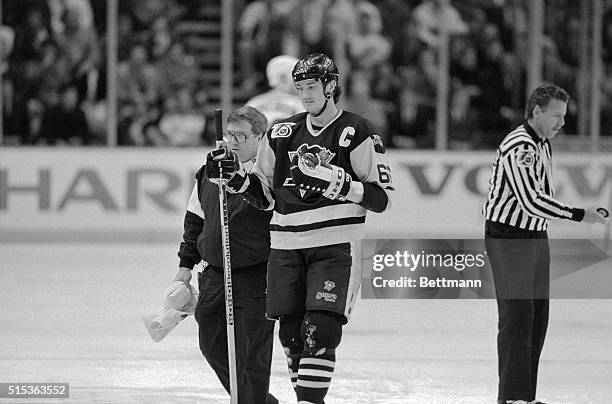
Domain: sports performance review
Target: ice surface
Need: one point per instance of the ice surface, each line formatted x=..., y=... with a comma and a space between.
x=71, y=313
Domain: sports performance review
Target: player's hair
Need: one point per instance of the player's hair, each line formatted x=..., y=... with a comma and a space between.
x=258, y=121
x=542, y=95
x=337, y=93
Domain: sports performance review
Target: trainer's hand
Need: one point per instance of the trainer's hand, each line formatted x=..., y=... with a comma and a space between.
x=221, y=165
x=183, y=275
x=595, y=215
x=308, y=174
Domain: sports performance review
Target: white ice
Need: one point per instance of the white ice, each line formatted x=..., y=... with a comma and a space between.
x=71, y=313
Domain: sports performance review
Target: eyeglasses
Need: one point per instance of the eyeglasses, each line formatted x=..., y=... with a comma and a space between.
x=235, y=137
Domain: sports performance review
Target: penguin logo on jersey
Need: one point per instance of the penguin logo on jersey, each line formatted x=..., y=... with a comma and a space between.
x=322, y=156
x=282, y=129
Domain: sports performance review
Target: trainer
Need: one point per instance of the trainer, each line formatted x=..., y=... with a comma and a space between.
x=250, y=247
x=518, y=209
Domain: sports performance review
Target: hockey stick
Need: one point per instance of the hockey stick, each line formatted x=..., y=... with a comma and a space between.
x=227, y=272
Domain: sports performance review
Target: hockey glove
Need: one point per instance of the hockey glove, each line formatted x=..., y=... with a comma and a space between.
x=221, y=165
x=310, y=175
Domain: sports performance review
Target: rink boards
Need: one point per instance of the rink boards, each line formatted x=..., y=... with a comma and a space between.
x=140, y=194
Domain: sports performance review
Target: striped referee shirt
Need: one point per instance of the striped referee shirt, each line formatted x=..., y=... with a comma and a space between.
x=521, y=184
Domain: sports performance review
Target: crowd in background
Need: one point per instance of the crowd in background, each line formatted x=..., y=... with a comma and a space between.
x=55, y=79
x=54, y=85
x=387, y=50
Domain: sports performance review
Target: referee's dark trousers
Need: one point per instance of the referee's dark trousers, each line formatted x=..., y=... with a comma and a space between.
x=253, y=332
x=520, y=261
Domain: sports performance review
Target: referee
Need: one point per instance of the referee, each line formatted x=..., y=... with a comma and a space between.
x=519, y=206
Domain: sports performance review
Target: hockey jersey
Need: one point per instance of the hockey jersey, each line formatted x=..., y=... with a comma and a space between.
x=276, y=105
x=304, y=219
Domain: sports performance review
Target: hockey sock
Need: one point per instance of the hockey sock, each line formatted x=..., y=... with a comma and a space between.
x=321, y=333
x=291, y=340
x=314, y=376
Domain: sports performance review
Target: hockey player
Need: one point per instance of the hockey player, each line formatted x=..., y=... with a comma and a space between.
x=249, y=244
x=281, y=101
x=320, y=172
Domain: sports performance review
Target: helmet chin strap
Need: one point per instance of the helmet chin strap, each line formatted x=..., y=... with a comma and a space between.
x=327, y=97
x=323, y=108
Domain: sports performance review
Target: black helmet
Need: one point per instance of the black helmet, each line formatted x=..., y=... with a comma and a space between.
x=315, y=66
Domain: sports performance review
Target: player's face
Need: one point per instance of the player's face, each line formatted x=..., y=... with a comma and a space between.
x=310, y=92
x=241, y=140
x=550, y=119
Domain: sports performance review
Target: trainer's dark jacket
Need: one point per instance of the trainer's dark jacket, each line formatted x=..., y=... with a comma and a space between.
x=521, y=192
x=248, y=228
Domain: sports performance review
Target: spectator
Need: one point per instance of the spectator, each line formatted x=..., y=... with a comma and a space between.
x=494, y=98
x=417, y=101
x=30, y=38
x=312, y=17
x=607, y=34
x=176, y=70
x=160, y=37
x=125, y=31
x=7, y=38
x=411, y=46
x=386, y=86
x=427, y=17
x=64, y=122
x=79, y=41
x=27, y=53
x=139, y=92
x=394, y=15
x=368, y=48
x=359, y=101
x=182, y=123
x=138, y=78
x=465, y=86
x=143, y=125
x=153, y=136
x=145, y=13
x=265, y=28
x=340, y=25
x=45, y=79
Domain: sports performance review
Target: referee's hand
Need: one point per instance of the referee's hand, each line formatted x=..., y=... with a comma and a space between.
x=592, y=215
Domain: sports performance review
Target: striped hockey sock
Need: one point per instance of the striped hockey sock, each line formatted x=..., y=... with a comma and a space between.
x=314, y=376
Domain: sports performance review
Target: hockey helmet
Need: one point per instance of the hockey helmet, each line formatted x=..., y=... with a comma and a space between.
x=315, y=66
x=279, y=70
